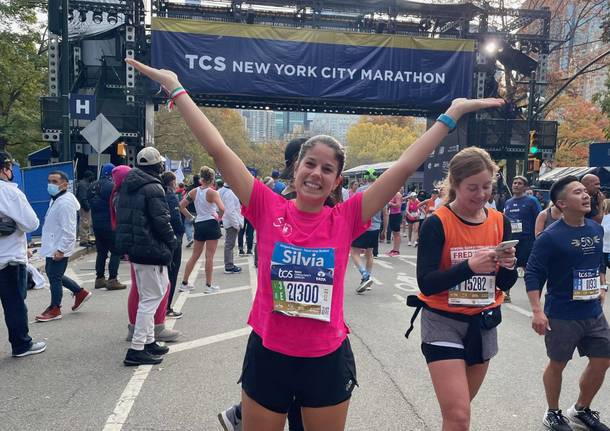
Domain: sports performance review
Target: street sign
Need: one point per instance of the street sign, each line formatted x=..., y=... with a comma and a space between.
x=100, y=133
x=82, y=107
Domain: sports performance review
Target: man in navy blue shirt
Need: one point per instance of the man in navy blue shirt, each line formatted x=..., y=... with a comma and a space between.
x=522, y=211
x=569, y=255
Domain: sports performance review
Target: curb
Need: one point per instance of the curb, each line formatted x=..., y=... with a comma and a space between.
x=78, y=253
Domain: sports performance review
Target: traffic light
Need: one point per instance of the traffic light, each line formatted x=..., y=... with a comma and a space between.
x=533, y=142
x=121, y=149
x=533, y=165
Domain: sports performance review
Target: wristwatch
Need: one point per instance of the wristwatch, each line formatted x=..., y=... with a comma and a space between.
x=603, y=287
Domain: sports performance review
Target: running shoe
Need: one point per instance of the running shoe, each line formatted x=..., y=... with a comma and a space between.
x=415, y=244
x=211, y=289
x=520, y=272
x=393, y=253
x=35, y=348
x=172, y=314
x=365, y=284
x=80, y=298
x=229, y=420
x=409, y=243
x=555, y=421
x=233, y=270
x=189, y=243
x=586, y=418
x=185, y=287
x=507, y=299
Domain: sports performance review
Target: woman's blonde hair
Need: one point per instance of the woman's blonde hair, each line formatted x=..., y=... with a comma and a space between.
x=468, y=162
x=207, y=174
x=606, y=206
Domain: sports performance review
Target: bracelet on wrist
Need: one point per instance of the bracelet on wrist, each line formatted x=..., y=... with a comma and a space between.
x=179, y=91
x=604, y=287
x=447, y=121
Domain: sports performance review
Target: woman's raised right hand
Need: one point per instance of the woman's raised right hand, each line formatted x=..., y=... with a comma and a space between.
x=166, y=78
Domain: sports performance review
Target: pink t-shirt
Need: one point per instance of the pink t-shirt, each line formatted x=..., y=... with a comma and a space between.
x=278, y=220
x=397, y=201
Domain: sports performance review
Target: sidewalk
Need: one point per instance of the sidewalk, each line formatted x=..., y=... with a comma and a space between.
x=38, y=262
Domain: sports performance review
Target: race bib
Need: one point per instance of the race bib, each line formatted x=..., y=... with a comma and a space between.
x=302, y=281
x=516, y=226
x=585, y=284
x=479, y=290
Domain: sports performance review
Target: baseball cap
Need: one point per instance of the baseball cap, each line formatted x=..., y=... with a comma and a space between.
x=290, y=154
x=149, y=156
x=5, y=158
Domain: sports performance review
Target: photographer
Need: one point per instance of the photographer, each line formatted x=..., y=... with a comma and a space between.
x=17, y=218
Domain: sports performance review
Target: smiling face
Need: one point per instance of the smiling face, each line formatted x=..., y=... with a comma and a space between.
x=474, y=191
x=316, y=176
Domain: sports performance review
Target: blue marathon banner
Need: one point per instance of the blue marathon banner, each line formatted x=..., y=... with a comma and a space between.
x=255, y=60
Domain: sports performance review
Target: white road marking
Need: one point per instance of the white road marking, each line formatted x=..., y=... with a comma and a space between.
x=220, y=292
x=383, y=264
x=518, y=309
x=209, y=340
x=253, y=276
x=400, y=298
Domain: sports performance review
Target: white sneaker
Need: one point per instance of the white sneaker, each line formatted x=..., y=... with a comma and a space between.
x=409, y=243
x=211, y=289
x=520, y=272
x=185, y=287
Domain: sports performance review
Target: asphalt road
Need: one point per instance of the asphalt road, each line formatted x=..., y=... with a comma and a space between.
x=79, y=383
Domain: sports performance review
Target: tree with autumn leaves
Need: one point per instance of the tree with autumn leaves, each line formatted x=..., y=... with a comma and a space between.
x=380, y=139
x=580, y=123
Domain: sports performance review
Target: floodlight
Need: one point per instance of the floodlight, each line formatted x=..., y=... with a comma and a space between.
x=97, y=16
x=112, y=18
x=491, y=47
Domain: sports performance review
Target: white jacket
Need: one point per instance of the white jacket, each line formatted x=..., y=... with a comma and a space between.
x=59, y=229
x=14, y=204
x=232, y=216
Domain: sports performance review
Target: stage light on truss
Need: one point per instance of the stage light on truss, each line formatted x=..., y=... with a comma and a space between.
x=97, y=16
x=82, y=15
x=491, y=47
x=112, y=17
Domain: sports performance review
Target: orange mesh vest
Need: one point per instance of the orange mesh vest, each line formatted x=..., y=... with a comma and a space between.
x=461, y=236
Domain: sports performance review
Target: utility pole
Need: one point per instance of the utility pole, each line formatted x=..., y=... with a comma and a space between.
x=65, y=153
x=531, y=121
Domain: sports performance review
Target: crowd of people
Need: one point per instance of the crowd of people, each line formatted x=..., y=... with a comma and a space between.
x=298, y=362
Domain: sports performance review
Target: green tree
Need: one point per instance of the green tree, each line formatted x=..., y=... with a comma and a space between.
x=23, y=69
x=380, y=139
x=174, y=138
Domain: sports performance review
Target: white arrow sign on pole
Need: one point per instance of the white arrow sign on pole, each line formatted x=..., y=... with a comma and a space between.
x=101, y=134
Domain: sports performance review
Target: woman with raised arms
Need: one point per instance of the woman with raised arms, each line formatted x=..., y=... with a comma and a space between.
x=299, y=348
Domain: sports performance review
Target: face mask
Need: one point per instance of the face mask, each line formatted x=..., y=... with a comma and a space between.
x=11, y=176
x=53, y=189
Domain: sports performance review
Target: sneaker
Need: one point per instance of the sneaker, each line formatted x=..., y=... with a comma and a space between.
x=141, y=357
x=249, y=252
x=155, y=350
x=185, y=287
x=114, y=284
x=241, y=252
x=586, y=418
x=409, y=243
x=415, y=244
x=51, y=313
x=393, y=253
x=84, y=243
x=80, y=298
x=229, y=420
x=35, y=348
x=165, y=334
x=520, y=272
x=554, y=420
x=100, y=283
x=189, y=244
x=233, y=270
x=171, y=314
x=365, y=283
x=211, y=289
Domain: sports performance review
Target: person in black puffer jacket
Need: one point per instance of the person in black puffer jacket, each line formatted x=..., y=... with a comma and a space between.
x=145, y=234
x=99, y=201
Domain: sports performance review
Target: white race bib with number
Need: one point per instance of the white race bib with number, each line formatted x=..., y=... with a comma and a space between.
x=479, y=290
x=586, y=284
x=516, y=226
x=302, y=281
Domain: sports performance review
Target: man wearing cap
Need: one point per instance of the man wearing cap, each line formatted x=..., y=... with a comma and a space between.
x=145, y=234
x=16, y=218
x=278, y=185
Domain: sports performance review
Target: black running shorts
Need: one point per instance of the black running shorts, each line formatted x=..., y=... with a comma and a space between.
x=275, y=380
x=395, y=221
x=368, y=239
x=207, y=230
